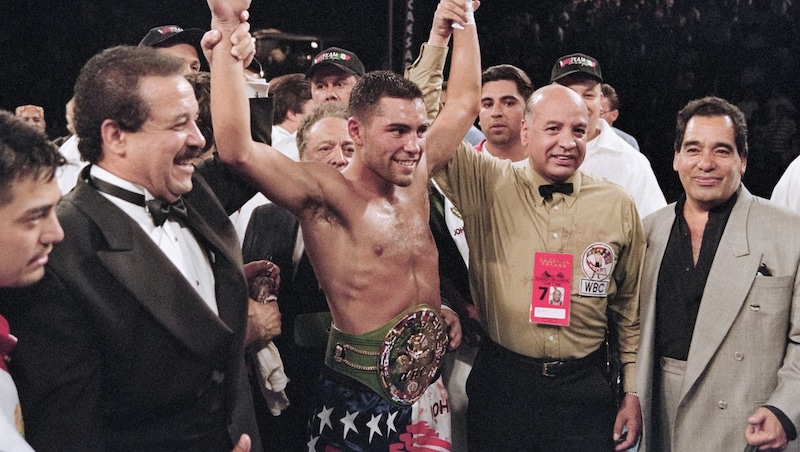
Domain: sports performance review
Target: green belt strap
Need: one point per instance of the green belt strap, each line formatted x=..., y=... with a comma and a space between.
x=358, y=355
x=311, y=330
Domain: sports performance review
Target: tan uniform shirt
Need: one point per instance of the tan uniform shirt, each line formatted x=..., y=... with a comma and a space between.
x=507, y=221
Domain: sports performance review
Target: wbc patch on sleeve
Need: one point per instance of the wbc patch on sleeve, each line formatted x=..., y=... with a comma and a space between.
x=597, y=263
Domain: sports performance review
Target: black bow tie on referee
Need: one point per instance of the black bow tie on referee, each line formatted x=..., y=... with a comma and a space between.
x=547, y=190
x=160, y=211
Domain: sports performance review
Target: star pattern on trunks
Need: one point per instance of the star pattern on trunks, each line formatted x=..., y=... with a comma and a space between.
x=349, y=422
x=390, y=423
x=312, y=444
x=382, y=424
x=373, y=426
x=325, y=418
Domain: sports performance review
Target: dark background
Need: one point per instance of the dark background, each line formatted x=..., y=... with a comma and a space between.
x=657, y=53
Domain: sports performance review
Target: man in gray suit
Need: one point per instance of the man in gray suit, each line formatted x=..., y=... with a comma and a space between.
x=719, y=362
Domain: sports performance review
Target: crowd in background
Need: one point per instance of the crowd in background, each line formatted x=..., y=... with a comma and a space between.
x=660, y=54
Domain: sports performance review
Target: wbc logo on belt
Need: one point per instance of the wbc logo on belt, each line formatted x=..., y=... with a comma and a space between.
x=410, y=356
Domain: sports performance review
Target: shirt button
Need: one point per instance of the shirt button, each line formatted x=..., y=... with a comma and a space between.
x=722, y=404
x=755, y=307
x=739, y=356
x=555, y=235
x=551, y=338
x=555, y=207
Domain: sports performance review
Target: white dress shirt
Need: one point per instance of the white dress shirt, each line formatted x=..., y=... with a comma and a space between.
x=177, y=243
x=610, y=157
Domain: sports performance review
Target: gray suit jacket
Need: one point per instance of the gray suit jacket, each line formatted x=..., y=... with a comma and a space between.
x=744, y=351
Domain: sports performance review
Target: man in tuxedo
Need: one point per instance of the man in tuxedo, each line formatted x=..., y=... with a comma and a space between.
x=134, y=338
x=274, y=234
x=719, y=358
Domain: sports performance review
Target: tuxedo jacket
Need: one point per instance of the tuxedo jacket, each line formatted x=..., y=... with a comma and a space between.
x=272, y=234
x=116, y=350
x=744, y=351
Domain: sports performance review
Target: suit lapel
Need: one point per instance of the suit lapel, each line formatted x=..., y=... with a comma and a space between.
x=146, y=273
x=657, y=238
x=226, y=262
x=729, y=280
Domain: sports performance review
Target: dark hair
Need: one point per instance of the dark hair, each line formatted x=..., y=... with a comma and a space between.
x=324, y=110
x=108, y=88
x=713, y=106
x=289, y=92
x=511, y=73
x=24, y=151
x=611, y=94
x=374, y=86
x=201, y=82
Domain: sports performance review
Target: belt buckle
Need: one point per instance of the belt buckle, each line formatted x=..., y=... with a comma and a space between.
x=545, y=367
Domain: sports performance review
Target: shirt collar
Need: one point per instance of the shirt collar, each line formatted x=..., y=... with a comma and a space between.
x=104, y=175
x=535, y=180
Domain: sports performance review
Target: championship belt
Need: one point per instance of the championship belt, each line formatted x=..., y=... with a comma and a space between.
x=410, y=356
x=402, y=365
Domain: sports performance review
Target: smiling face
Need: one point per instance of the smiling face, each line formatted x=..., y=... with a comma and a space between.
x=389, y=140
x=502, y=108
x=28, y=230
x=554, y=132
x=708, y=163
x=159, y=155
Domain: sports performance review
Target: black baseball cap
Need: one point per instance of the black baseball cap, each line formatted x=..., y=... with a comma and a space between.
x=167, y=35
x=340, y=58
x=576, y=63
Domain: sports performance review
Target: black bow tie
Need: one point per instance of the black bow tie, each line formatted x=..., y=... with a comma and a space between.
x=547, y=190
x=163, y=211
x=159, y=210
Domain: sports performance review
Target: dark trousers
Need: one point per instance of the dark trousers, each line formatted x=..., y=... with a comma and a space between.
x=512, y=408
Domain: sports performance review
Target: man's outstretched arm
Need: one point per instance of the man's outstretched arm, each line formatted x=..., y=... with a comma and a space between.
x=266, y=168
x=463, y=91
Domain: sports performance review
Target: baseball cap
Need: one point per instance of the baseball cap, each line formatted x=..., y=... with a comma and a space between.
x=167, y=35
x=576, y=63
x=340, y=58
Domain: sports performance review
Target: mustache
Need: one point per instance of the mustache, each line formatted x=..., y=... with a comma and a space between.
x=190, y=153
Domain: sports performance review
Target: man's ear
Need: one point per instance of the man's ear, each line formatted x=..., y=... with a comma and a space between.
x=292, y=115
x=523, y=133
x=355, y=128
x=113, y=136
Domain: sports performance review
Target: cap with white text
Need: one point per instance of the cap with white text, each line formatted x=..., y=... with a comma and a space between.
x=340, y=58
x=167, y=35
x=576, y=63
